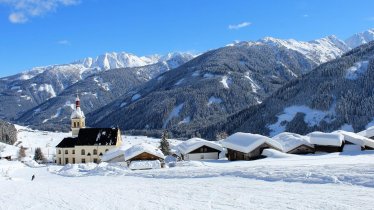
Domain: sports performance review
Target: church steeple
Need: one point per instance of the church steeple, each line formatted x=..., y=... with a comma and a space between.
x=78, y=119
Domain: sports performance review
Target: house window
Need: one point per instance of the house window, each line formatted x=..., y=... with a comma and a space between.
x=59, y=161
x=73, y=152
x=205, y=149
x=78, y=124
x=66, y=152
x=59, y=151
x=73, y=160
x=95, y=160
x=95, y=152
x=66, y=160
x=83, y=160
x=75, y=124
x=83, y=152
x=201, y=149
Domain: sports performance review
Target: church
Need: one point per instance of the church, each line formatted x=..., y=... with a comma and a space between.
x=86, y=144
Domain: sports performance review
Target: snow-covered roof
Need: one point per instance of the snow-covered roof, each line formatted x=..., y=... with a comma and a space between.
x=326, y=139
x=290, y=141
x=141, y=148
x=247, y=142
x=113, y=153
x=77, y=113
x=145, y=164
x=369, y=132
x=356, y=138
x=195, y=143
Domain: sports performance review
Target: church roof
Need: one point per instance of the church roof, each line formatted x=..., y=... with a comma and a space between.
x=67, y=142
x=97, y=136
x=77, y=113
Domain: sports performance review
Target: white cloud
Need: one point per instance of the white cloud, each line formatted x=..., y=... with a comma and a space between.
x=23, y=10
x=370, y=18
x=17, y=18
x=64, y=42
x=240, y=25
x=305, y=16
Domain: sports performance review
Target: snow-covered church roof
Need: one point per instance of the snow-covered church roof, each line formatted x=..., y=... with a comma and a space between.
x=77, y=113
x=326, y=139
x=141, y=148
x=290, y=141
x=247, y=142
x=195, y=143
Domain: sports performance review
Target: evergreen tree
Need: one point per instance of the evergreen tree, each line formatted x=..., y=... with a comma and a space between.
x=21, y=153
x=164, y=143
x=39, y=156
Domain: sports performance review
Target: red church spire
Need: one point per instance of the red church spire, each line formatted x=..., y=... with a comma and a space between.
x=77, y=102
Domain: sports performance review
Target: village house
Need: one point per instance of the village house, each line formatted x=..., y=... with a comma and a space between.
x=199, y=149
x=368, y=133
x=247, y=146
x=293, y=143
x=353, y=141
x=86, y=144
x=140, y=156
x=327, y=142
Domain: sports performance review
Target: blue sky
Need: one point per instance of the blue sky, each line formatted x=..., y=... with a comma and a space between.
x=42, y=32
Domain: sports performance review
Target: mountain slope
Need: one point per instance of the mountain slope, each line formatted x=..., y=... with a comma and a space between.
x=27, y=90
x=96, y=91
x=360, y=38
x=319, y=51
x=205, y=89
x=336, y=95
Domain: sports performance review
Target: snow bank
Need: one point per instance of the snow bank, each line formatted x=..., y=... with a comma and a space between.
x=33, y=164
x=326, y=139
x=275, y=153
x=91, y=169
x=290, y=141
x=145, y=164
x=194, y=143
x=141, y=148
x=246, y=142
x=7, y=150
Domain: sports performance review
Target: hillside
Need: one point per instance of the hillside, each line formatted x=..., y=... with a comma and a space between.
x=336, y=95
x=22, y=92
x=205, y=89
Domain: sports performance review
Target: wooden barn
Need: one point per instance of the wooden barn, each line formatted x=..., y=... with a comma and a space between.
x=247, y=146
x=293, y=143
x=327, y=142
x=140, y=156
x=199, y=149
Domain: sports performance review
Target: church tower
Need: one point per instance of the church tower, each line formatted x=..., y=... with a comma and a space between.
x=78, y=119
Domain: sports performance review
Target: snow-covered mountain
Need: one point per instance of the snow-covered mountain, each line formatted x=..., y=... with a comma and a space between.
x=360, y=38
x=319, y=51
x=335, y=95
x=24, y=91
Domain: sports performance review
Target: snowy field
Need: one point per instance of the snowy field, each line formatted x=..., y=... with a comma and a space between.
x=331, y=181
x=281, y=181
